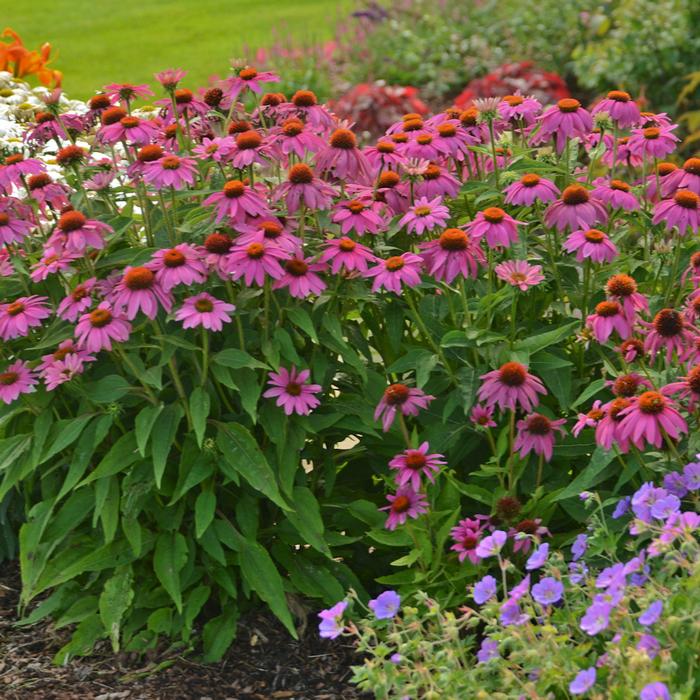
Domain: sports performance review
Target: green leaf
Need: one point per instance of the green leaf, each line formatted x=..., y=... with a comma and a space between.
x=218, y=634
x=144, y=425
x=115, y=600
x=195, y=602
x=237, y=359
x=242, y=455
x=164, y=432
x=249, y=390
x=590, y=391
x=64, y=434
x=169, y=559
x=300, y=318
x=200, y=404
x=121, y=455
x=599, y=460
x=204, y=509
x=262, y=576
x=306, y=518
x=535, y=343
x=107, y=389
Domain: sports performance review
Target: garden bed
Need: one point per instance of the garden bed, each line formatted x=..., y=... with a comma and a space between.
x=264, y=662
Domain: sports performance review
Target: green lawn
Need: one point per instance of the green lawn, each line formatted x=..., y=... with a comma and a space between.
x=102, y=41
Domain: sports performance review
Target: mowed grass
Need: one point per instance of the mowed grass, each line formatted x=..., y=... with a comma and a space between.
x=103, y=41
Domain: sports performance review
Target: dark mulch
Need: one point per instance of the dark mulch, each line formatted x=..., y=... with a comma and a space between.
x=264, y=663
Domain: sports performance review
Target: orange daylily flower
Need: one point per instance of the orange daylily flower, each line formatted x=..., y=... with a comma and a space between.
x=16, y=58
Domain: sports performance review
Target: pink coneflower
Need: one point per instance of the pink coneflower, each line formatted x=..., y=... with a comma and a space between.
x=422, y=146
x=15, y=168
x=408, y=400
x=392, y=191
x=482, y=416
x=170, y=171
x=609, y=317
x=76, y=233
x=519, y=110
x=127, y=92
x=681, y=211
x=519, y=273
x=405, y=503
x=453, y=253
x=249, y=148
x=628, y=385
x=97, y=329
x=688, y=388
x=219, y=149
x=425, y=215
x=467, y=535
x=588, y=420
x=215, y=252
x=625, y=156
x=303, y=186
x=292, y=391
x=62, y=371
x=664, y=170
x=206, y=311
x=256, y=261
x=63, y=364
x=237, y=202
x=170, y=77
x=623, y=289
x=48, y=127
x=497, y=227
x=46, y=192
x=592, y=244
x=269, y=230
x=343, y=159
x=671, y=331
x=385, y=154
x=15, y=380
x=567, y=119
x=511, y=386
x=18, y=317
x=653, y=141
x=536, y=434
x=414, y=463
x=575, y=210
x=247, y=78
x=51, y=263
x=14, y=227
x=617, y=194
x=524, y=533
x=187, y=106
x=649, y=417
x=452, y=140
x=685, y=178
x=304, y=105
x=437, y=182
x=623, y=110
x=394, y=272
x=300, y=278
x=631, y=349
x=356, y=215
x=6, y=267
x=178, y=265
x=529, y=189
x=294, y=137
x=77, y=302
x=130, y=129
x=140, y=290
x=607, y=432
x=346, y=253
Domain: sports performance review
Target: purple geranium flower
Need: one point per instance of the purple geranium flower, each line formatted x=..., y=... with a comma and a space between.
x=548, y=591
x=492, y=545
x=579, y=547
x=538, y=557
x=487, y=651
x=331, y=625
x=655, y=691
x=484, y=590
x=596, y=619
x=583, y=682
x=651, y=614
x=385, y=605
